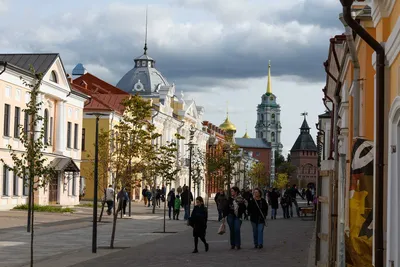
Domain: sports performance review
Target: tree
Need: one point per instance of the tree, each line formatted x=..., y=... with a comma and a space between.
x=132, y=138
x=287, y=168
x=281, y=181
x=198, y=168
x=257, y=174
x=31, y=164
x=279, y=159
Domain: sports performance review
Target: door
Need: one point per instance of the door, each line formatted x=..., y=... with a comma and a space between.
x=53, y=190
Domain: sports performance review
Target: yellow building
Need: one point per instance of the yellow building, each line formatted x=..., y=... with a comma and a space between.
x=351, y=147
x=62, y=109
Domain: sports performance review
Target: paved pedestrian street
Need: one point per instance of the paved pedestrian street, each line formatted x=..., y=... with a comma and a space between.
x=138, y=243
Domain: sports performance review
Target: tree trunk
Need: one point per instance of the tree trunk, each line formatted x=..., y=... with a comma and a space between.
x=116, y=210
x=32, y=217
x=103, y=203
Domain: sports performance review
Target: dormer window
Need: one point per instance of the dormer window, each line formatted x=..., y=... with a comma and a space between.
x=137, y=64
x=53, y=77
x=143, y=63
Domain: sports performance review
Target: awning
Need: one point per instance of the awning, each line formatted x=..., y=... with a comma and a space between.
x=64, y=165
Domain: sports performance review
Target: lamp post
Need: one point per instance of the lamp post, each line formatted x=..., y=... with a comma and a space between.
x=227, y=149
x=96, y=181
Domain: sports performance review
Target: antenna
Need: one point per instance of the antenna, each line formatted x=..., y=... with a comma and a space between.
x=145, y=37
x=304, y=114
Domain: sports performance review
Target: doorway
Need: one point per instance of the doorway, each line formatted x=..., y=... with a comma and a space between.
x=53, y=190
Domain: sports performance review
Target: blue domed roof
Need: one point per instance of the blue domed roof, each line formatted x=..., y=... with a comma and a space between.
x=144, y=78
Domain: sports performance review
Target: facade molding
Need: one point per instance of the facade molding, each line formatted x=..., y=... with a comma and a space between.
x=381, y=9
x=392, y=47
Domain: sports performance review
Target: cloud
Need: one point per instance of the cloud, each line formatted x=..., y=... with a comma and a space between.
x=235, y=42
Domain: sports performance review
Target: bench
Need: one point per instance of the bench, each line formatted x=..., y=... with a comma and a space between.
x=306, y=210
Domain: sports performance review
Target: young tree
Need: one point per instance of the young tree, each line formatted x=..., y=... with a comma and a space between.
x=31, y=164
x=281, y=181
x=198, y=169
x=132, y=147
x=257, y=174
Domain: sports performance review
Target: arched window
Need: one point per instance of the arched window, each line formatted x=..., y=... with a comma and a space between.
x=46, y=126
x=272, y=137
x=53, y=77
x=273, y=118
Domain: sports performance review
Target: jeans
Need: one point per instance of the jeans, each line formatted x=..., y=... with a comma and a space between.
x=285, y=211
x=109, y=206
x=170, y=210
x=258, y=233
x=294, y=201
x=219, y=214
x=187, y=212
x=273, y=213
x=234, y=229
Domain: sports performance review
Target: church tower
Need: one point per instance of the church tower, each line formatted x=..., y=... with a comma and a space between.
x=268, y=126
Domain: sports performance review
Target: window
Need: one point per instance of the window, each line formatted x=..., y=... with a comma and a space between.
x=6, y=120
x=53, y=77
x=26, y=122
x=25, y=185
x=257, y=154
x=69, y=134
x=273, y=118
x=17, y=116
x=73, y=184
x=5, y=180
x=51, y=130
x=76, y=136
x=272, y=137
x=15, y=184
x=46, y=126
x=84, y=137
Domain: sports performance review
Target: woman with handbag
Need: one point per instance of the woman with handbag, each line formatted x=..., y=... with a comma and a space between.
x=258, y=210
x=233, y=211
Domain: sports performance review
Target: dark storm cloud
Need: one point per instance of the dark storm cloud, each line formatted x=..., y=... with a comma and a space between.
x=112, y=37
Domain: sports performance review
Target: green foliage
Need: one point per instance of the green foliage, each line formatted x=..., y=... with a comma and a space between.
x=40, y=208
x=257, y=174
x=281, y=181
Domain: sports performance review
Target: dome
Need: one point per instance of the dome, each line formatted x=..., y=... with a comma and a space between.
x=228, y=126
x=246, y=135
x=144, y=78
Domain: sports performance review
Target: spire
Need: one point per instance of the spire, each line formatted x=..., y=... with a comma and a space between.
x=304, y=127
x=246, y=135
x=269, y=88
x=145, y=37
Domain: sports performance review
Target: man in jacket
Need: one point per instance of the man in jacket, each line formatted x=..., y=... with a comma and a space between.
x=220, y=200
x=293, y=192
x=185, y=198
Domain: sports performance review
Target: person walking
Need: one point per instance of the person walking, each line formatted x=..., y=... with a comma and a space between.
x=185, y=198
x=123, y=199
x=144, y=194
x=274, y=202
x=171, y=202
x=198, y=220
x=258, y=210
x=285, y=201
x=233, y=212
x=220, y=200
x=293, y=192
x=177, y=207
x=110, y=199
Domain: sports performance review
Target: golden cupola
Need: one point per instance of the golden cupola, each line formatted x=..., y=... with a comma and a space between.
x=228, y=126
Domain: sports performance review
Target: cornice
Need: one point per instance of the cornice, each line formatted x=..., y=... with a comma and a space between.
x=392, y=46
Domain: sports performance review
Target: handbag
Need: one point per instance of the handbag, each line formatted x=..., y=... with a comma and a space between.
x=221, y=229
x=262, y=214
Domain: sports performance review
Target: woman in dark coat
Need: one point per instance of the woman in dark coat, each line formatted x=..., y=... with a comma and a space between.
x=171, y=202
x=273, y=198
x=258, y=209
x=198, y=221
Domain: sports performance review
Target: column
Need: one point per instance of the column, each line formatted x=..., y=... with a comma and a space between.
x=60, y=129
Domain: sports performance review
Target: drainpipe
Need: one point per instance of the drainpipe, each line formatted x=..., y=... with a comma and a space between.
x=379, y=128
x=356, y=79
x=356, y=105
x=331, y=146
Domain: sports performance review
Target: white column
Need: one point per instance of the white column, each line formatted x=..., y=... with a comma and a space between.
x=61, y=134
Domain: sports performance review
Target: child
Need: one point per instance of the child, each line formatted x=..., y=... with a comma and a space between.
x=177, y=207
x=198, y=221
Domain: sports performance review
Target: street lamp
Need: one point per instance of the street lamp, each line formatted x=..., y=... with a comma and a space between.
x=3, y=66
x=96, y=180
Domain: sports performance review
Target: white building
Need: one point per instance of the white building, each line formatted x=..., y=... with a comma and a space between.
x=62, y=109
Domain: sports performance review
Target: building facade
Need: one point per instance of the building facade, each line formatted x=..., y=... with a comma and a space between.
x=268, y=125
x=62, y=110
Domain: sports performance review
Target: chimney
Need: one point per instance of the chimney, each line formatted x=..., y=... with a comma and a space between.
x=69, y=79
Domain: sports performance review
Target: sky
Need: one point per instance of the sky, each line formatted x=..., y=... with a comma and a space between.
x=215, y=51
